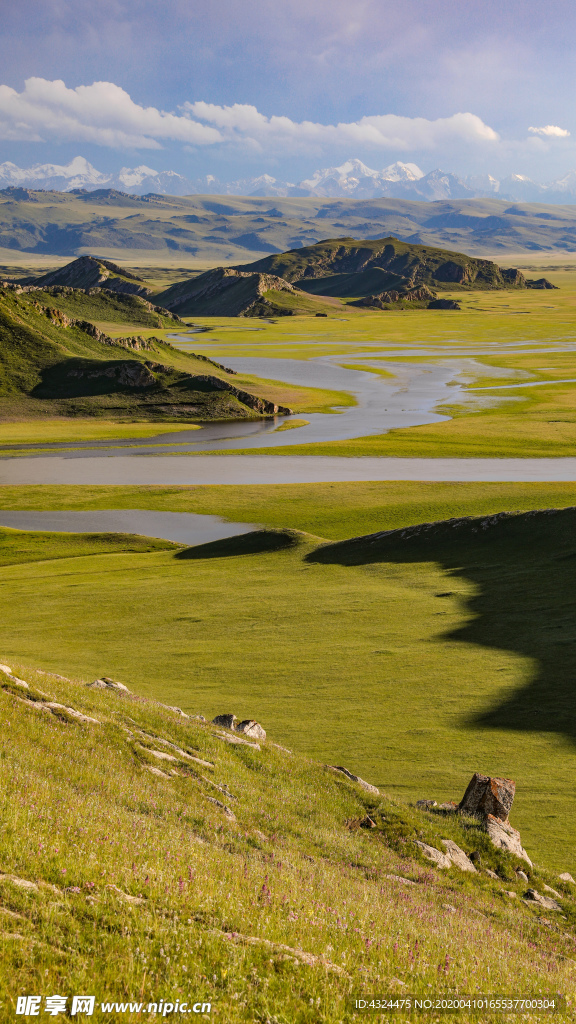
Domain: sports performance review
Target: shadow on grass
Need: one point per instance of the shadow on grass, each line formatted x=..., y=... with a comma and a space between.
x=253, y=543
x=523, y=566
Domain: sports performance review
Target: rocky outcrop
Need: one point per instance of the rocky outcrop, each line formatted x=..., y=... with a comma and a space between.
x=457, y=856
x=89, y=272
x=505, y=837
x=251, y=728
x=441, y=860
x=532, y=896
x=225, y=291
x=261, y=405
x=355, y=778
x=128, y=373
x=540, y=282
x=488, y=796
x=226, y=721
x=407, y=294
x=105, y=683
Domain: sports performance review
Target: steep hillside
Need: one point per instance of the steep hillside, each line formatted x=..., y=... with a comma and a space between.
x=233, y=292
x=88, y=272
x=347, y=263
x=55, y=365
x=150, y=856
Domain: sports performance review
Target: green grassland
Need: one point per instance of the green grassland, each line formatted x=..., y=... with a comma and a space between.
x=526, y=335
x=140, y=887
x=414, y=669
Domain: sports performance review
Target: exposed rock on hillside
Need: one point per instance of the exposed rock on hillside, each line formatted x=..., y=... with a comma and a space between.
x=226, y=291
x=419, y=264
x=485, y=795
x=89, y=272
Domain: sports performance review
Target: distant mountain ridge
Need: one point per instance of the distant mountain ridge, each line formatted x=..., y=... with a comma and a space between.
x=353, y=179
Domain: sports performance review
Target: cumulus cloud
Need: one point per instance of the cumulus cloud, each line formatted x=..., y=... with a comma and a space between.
x=242, y=122
x=101, y=113
x=551, y=131
x=105, y=114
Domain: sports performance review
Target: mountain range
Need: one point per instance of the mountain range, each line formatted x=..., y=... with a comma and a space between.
x=352, y=179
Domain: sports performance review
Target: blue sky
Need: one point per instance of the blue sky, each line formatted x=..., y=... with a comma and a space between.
x=241, y=87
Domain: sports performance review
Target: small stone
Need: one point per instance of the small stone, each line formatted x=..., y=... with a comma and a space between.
x=450, y=807
x=226, y=721
x=504, y=837
x=251, y=728
x=510, y=892
x=566, y=877
x=105, y=683
x=457, y=856
x=549, y=888
x=229, y=814
x=532, y=896
x=237, y=740
x=367, y=822
x=492, y=874
x=57, y=710
x=355, y=778
x=426, y=805
x=126, y=897
x=522, y=874
x=441, y=860
x=448, y=906
x=177, y=711
x=16, y=681
x=4, y=668
x=485, y=795
x=401, y=879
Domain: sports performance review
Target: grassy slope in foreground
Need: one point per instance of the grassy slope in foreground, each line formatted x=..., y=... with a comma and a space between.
x=415, y=670
x=142, y=887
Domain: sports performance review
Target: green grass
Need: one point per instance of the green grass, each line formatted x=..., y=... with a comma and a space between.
x=525, y=335
x=72, y=429
x=415, y=673
x=278, y=915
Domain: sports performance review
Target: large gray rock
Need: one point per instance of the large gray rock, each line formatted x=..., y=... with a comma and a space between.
x=441, y=860
x=504, y=837
x=486, y=795
x=227, y=721
x=355, y=778
x=566, y=877
x=532, y=896
x=457, y=856
x=251, y=728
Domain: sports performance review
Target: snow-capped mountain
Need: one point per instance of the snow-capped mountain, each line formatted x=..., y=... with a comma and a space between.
x=351, y=180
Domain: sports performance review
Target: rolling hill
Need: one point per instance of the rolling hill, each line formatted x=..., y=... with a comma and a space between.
x=88, y=272
x=379, y=272
x=54, y=365
x=209, y=229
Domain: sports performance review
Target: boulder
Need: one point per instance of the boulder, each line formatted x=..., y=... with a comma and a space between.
x=457, y=856
x=488, y=796
x=522, y=874
x=105, y=683
x=4, y=668
x=251, y=728
x=441, y=860
x=492, y=874
x=504, y=837
x=566, y=877
x=549, y=889
x=227, y=721
x=532, y=896
x=355, y=778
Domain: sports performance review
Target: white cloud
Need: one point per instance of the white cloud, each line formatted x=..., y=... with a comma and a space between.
x=242, y=122
x=551, y=131
x=101, y=113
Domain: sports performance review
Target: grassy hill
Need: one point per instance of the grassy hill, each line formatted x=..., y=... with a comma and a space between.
x=351, y=267
x=88, y=272
x=54, y=365
x=146, y=857
x=231, y=292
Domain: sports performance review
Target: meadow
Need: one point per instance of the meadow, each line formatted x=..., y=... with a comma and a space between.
x=238, y=876
x=412, y=672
